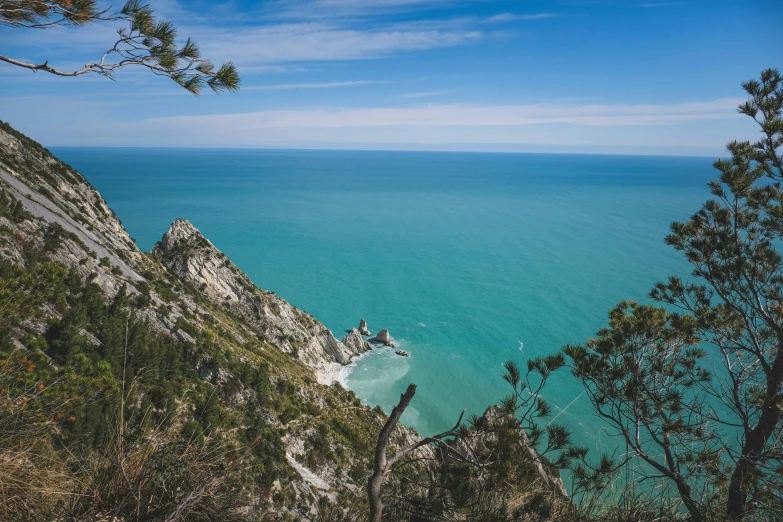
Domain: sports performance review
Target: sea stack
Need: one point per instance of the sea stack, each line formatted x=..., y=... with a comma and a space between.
x=402, y=353
x=363, y=328
x=383, y=338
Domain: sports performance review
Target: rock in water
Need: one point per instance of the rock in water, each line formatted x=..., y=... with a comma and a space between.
x=363, y=328
x=383, y=338
x=402, y=353
x=355, y=343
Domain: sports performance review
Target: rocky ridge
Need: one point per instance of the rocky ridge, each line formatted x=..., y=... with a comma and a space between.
x=188, y=290
x=191, y=258
x=55, y=193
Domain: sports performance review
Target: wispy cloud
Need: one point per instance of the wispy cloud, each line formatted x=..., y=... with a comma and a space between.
x=596, y=128
x=462, y=115
x=336, y=9
x=322, y=42
x=511, y=17
x=325, y=85
x=425, y=94
x=256, y=45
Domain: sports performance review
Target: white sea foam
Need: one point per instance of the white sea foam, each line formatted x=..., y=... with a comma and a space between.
x=378, y=349
x=346, y=370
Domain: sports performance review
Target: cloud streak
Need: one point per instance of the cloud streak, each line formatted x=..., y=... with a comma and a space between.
x=564, y=126
x=340, y=9
x=303, y=42
x=511, y=17
x=258, y=45
x=425, y=94
x=324, y=85
x=462, y=115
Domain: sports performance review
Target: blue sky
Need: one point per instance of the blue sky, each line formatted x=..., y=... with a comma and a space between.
x=573, y=76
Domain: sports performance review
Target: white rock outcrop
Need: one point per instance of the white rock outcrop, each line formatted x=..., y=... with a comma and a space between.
x=384, y=338
x=355, y=343
x=363, y=328
x=193, y=259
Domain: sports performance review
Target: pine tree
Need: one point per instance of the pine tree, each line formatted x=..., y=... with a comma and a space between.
x=717, y=435
x=145, y=42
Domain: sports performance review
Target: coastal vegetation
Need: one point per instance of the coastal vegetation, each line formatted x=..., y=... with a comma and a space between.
x=166, y=386
x=693, y=389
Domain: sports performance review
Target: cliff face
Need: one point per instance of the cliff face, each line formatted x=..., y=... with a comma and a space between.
x=62, y=195
x=254, y=360
x=55, y=193
x=214, y=364
x=194, y=260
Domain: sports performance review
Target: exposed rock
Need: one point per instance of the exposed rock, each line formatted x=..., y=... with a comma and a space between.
x=355, y=343
x=363, y=328
x=383, y=338
x=495, y=416
x=185, y=336
x=92, y=241
x=188, y=290
x=192, y=258
x=308, y=476
x=402, y=353
x=100, y=240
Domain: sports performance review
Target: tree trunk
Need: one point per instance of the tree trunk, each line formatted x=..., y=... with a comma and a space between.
x=375, y=483
x=755, y=441
x=693, y=507
x=736, y=504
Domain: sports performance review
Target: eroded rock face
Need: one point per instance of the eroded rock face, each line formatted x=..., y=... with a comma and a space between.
x=193, y=259
x=363, y=328
x=495, y=417
x=196, y=283
x=90, y=238
x=355, y=343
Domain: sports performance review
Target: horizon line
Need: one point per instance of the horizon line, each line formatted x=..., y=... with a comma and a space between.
x=371, y=149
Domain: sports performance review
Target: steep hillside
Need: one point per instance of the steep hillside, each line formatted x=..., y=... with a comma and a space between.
x=193, y=260
x=167, y=386
x=104, y=347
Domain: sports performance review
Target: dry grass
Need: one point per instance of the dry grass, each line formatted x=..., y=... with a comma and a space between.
x=159, y=477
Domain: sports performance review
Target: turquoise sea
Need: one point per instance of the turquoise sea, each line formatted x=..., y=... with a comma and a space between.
x=468, y=259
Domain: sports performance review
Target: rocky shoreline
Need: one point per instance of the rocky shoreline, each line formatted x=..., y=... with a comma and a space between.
x=359, y=342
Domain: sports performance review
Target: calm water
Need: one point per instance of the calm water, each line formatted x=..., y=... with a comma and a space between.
x=468, y=259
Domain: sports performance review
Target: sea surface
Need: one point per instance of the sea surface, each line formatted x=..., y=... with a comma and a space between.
x=469, y=260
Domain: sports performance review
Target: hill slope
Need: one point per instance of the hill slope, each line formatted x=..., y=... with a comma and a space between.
x=112, y=355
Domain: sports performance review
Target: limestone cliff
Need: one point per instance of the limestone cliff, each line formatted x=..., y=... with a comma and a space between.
x=259, y=357
x=191, y=258
x=217, y=358
x=355, y=342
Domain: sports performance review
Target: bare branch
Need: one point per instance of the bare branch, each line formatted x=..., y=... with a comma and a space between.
x=383, y=464
x=145, y=42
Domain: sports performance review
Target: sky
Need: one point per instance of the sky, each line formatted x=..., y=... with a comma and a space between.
x=577, y=76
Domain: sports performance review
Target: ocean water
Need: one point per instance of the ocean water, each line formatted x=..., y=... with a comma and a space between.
x=468, y=259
